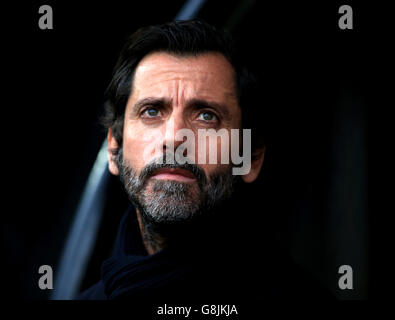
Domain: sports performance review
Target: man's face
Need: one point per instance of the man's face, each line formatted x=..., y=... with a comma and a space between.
x=170, y=93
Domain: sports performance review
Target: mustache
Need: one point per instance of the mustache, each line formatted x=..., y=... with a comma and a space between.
x=160, y=163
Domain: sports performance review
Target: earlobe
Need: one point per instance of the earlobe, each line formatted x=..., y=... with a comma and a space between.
x=256, y=166
x=111, y=146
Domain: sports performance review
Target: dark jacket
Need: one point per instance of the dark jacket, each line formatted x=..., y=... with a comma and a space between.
x=217, y=259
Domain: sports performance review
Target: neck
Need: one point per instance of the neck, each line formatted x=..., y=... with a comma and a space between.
x=153, y=241
x=208, y=230
x=188, y=237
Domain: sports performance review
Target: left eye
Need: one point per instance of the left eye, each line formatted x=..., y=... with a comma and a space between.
x=207, y=116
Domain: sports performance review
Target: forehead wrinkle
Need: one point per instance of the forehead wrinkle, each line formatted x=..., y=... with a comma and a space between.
x=175, y=66
x=184, y=80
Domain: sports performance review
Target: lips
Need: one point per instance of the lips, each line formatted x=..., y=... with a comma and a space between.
x=176, y=174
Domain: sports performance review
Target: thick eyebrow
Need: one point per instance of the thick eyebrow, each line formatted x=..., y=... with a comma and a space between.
x=192, y=103
x=201, y=103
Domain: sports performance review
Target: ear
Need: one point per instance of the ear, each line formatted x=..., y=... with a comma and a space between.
x=256, y=165
x=112, y=144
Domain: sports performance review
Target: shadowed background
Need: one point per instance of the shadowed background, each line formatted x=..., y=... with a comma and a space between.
x=316, y=93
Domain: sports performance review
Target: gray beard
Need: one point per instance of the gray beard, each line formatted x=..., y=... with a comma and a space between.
x=169, y=202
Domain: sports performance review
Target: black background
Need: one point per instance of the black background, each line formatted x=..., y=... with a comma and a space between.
x=319, y=85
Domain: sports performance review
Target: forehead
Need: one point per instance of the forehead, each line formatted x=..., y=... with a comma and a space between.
x=206, y=76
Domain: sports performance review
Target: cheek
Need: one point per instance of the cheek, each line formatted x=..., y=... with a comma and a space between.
x=140, y=146
x=213, y=149
x=210, y=169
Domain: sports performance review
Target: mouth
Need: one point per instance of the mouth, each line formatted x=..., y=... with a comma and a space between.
x=175, y=174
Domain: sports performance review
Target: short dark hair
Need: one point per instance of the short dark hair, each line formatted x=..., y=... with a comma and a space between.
x=191, y=37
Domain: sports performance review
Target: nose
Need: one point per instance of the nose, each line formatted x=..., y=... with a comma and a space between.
x=173, y=124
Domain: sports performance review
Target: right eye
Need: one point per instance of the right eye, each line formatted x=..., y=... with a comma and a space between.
x=151, y=112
